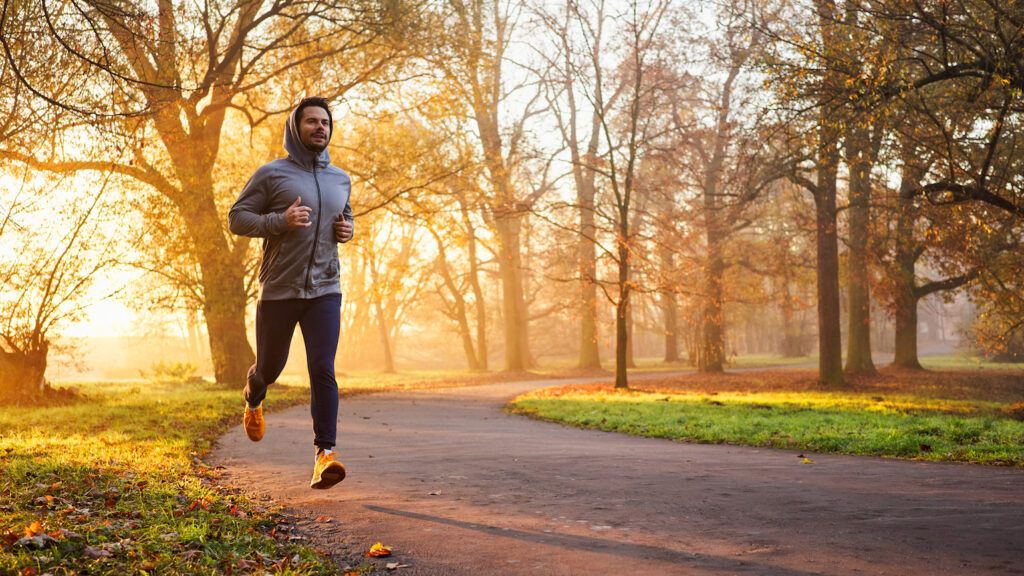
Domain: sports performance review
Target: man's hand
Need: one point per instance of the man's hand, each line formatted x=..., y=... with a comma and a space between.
x=343, y=230
x=297, y=216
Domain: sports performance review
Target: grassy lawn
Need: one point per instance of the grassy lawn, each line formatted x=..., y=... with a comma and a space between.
x=955, y=416
x=111, y=481
x=965, y=362
x=113, y=477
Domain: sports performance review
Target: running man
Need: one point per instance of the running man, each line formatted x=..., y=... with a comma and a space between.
x=299, y=205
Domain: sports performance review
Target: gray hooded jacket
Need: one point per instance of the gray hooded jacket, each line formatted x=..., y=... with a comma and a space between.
x=300, y=262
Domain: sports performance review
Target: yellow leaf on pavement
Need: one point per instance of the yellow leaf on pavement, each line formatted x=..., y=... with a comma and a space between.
x=379, y=550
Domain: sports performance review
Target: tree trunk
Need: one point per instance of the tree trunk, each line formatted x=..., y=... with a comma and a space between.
x=907, y=253
x=830, y=349
x=711, y=358
x=622, y=306
x=621, y=340
x=791, y=345
x=385, y=340
x=223, y=282
x=905, y=306
x=513, y=304
x=858, y=351
x=589, y=354
x=906, y=332
x=478, y=293
x=630, y=340
x=830, y=355
x=671, y=315
x=22, y=375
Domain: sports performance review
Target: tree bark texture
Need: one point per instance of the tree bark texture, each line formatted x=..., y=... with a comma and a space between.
x=22, y=375
x=858, y=351
x=830, y=351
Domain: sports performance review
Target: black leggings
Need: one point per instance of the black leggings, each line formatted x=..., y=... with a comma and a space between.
x=320, y=321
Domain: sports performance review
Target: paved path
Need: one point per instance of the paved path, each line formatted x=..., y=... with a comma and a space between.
x=458, y=487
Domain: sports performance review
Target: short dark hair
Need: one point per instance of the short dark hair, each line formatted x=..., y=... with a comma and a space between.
x=314, y=101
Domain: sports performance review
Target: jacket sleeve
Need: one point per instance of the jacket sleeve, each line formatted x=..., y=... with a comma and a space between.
x=249, y=217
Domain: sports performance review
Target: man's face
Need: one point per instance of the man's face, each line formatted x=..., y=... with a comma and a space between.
x=314, y=128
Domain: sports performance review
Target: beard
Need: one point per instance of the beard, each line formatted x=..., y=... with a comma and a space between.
x=312, y=146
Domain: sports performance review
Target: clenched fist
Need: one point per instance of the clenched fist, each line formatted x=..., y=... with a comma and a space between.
x=297, y=216
x=343, y=229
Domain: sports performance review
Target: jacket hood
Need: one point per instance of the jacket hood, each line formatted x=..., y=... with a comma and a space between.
x=298, y=152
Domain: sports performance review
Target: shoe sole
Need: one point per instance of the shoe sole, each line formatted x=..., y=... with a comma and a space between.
x=329, y=478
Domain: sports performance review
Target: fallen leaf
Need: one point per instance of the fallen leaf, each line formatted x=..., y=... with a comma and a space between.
x=96, y=553
x=38, y=541
x=34, y=528
x=323, y=518
x=379, y=550
x=808, y=461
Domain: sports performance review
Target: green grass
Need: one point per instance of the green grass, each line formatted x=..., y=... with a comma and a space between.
x=115, y=477
x=655, y=364
x=965, y=362
x=905, y=426
x=769, y=360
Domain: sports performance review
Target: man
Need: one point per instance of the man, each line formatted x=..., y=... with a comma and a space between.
x=299, y=205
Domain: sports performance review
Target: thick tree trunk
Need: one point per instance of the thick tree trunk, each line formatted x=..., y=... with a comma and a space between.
x=712, y=344
x=858, y=351
x=712, y=347
x=907, y=253
x=513, y=303
x=385, y=340
x=589, y=354
x=830, y=355
x=830, y=349
x=22, y=375
x=906, y=332
x=224, y=297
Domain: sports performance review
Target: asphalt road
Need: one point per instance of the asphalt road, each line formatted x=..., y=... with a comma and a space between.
x=458, y=487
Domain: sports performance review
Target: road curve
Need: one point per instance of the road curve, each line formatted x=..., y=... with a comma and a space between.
x=458, y=487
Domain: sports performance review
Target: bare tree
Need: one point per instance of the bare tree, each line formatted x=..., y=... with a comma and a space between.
x=53, y=254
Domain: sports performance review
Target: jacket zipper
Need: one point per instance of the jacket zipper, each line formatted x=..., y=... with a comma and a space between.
x=316, y=233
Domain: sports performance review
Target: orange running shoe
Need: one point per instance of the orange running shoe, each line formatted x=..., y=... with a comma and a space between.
x=327, y=471
x=253, y=423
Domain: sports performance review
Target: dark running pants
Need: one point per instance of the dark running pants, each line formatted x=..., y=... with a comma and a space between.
x=320, y=321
